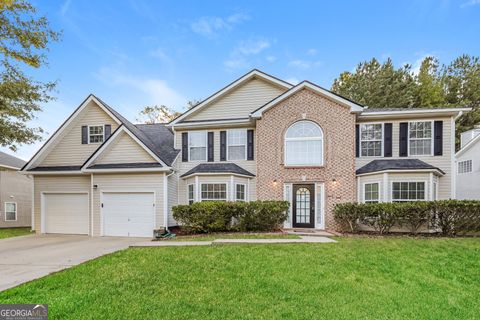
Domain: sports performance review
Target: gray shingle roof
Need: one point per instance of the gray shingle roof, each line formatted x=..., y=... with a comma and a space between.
x=56, y=168
x=406, y=109
x=162, y=139
x=218, y=168
x=11, y=161
x=396, y=164
x=125, y=165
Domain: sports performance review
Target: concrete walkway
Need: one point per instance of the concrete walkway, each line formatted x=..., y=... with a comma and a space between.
x=26, y=258
x=172, y=243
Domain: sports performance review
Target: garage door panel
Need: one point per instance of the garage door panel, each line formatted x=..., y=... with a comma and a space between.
x=128, y=214
x=66, y=213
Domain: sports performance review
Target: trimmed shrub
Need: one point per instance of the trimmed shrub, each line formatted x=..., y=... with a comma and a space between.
x=416, y=214
x=449, y=217
x=218, y=216
x=262, y=215
x=381, y=216
x=348, y=214
x=455, y=217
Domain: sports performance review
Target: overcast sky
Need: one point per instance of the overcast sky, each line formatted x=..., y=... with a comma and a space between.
x=136, y=53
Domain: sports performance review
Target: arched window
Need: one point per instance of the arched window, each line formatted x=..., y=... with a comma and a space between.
x=304, y=144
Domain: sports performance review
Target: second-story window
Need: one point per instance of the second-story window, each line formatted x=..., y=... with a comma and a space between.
x=237, y=144
x=95, y=134
x=371, y=140
x=420, y=138
x=304, y=144
x=197, y=145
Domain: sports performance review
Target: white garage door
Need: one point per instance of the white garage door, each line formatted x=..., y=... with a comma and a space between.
x=128, y=214
x=66, y=213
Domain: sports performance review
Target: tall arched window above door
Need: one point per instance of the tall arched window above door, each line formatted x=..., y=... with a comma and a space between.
x=304, y=144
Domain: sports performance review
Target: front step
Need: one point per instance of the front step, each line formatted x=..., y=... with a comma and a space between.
x=309, y=232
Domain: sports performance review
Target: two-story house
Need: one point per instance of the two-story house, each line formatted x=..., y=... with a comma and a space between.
x=257, y=138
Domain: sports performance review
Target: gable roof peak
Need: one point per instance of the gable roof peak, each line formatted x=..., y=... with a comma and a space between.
x=254, y=73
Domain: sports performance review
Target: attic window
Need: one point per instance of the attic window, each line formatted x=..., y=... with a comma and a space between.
x=95, y=134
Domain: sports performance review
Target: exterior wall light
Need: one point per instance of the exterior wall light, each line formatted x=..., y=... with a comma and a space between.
x=274, y=182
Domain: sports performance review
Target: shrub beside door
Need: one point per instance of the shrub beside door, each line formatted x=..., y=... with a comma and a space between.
x=218, y=216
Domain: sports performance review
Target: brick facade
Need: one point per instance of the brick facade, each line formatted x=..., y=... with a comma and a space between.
x=338, y=126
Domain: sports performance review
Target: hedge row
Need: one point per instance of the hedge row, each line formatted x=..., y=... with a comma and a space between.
x=218, y=216
x=449, y=217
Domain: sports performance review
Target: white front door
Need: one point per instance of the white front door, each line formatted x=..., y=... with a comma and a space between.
x=65, y=213
x=128, y=214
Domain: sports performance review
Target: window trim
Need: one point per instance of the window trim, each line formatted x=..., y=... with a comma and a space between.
x=16, y=210
x=322, y=139
x=203, y=183
x=381, y=140
x=188, y=193
x=244, y=191
x=206, y=145
x=431, y=139
x=425, y=190
x=364, y=189
x=88, y=133
x=465, y=161
x=228, y=145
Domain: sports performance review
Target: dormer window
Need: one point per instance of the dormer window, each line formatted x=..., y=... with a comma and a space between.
x=96, y=134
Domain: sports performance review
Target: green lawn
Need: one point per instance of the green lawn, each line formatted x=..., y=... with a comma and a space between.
x=235, y=236
x=357, y=278
x=13, y=232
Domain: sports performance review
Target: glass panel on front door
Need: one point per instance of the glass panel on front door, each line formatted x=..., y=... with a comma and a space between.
x=302, y=205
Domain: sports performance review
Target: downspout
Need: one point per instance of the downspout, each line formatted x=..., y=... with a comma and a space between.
x=165, y=200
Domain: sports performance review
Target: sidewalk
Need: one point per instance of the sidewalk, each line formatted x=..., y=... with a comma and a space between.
x=170, y=243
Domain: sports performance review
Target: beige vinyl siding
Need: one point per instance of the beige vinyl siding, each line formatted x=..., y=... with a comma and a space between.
x=145, y=182
x=69, y=149
x=57, y=184
x=124, y=150
x=443, y=162
x=16, y=187
x=172, y=197
x=183, y=167
x=239, y=102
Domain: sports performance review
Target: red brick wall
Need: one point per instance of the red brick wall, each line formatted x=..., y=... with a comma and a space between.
x=338, y=126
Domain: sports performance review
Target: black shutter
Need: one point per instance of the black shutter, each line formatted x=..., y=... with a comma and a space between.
x=210, y=146
x=185, y=146
x=387, y=140
x=108, y=131
x=403, y=141
x=250, y=145
x=84, y=134
x=357, y=140
x=438, y=138
x=223, y=145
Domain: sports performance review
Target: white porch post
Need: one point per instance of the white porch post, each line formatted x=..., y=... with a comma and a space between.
x=385, y=197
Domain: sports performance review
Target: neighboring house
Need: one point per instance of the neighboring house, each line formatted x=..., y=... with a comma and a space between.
x=257, y=138
x=15, y=193
x=468, y=165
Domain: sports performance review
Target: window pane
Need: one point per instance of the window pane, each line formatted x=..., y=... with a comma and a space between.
x=303, y=129
x=198, y=153
x=240, y=192
x=236, y=152
x=214, y=191
x=304, y=152
x=10, y=207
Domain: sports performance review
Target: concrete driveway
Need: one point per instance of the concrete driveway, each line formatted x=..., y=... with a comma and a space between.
x=26, y=258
